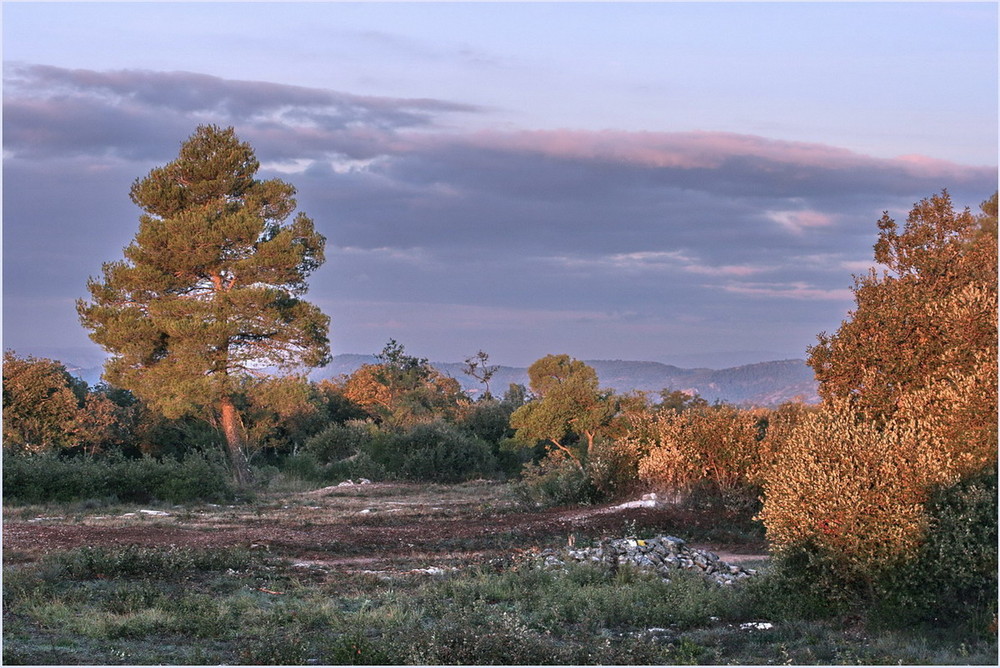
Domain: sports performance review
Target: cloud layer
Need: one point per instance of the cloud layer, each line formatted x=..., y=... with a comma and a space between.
x=668, y=242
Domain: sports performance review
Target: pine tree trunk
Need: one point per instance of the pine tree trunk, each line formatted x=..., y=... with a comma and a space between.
x=232, y=430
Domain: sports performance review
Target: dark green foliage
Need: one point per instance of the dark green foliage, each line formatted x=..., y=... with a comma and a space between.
x=158, y=436
x=489, y=420
x=556, y=480
x=338, y=441
x=45, y=478
x=440, y=452
x=743, y=501
x=433, y=452
x=282, y=644
x=952, y=580
x=804, y=584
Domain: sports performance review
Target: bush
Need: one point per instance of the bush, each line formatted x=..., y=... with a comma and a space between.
x=134, y=561
x=806, y=581
x=952, y=579
x=432, y=452
x=852, y=489
x=338, y=441
x=44, y=478
x=613, y=467
x=554, y=481
x=440, y=452
x=488, y=420
x=720, y=444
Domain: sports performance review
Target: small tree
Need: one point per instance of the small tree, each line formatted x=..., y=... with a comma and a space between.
x=209, y=290
x=403, y=390
x=568, y=402
x=478, y=367
x=41, y=403
x=679, y=401
x=716, y=445
x=909, y=383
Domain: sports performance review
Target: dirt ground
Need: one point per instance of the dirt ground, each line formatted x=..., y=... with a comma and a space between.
x=362, y=526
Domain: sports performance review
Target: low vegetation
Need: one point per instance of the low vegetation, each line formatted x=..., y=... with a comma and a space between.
x=426, y=605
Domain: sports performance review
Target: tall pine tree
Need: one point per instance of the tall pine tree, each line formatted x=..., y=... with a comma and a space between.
x=209, y=290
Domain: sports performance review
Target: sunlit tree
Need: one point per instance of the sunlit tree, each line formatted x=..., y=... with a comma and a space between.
x=922, y=339
x=403, y=390
x=568, y=403
x=210, y=288
x=41, y=402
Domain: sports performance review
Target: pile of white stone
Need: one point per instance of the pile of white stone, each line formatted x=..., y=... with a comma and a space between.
x=662, y=554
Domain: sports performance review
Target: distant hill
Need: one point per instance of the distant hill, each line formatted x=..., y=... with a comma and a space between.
x=91, y=374
x=762, y=384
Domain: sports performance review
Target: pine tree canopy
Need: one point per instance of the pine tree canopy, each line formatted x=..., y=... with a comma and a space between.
x=209, y=289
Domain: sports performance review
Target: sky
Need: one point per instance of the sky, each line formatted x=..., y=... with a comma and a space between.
x=689, y=183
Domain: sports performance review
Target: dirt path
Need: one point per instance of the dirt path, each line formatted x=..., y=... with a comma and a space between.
x=365, y=526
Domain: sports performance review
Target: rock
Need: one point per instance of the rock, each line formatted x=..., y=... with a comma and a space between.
x=644, y=562
x=660, y=554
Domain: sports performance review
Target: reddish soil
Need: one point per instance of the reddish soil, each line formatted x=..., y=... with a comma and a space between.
x=338, y=537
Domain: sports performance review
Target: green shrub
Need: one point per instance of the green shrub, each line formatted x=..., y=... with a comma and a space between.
x=305, y=466
x=194, y=477
x=440, y=452
x=134, y=561
x=952, y=580
x=554, y=481
x=433, y=452
x=336, y=442
x=741, y=501
x=45, y=478
x=804, y=582
x=488, y=420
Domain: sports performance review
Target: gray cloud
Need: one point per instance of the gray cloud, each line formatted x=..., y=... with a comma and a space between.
x=49, y=110
x=655, y=240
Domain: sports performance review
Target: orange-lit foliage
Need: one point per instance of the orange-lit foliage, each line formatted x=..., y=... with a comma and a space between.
x=930, y=315
x=852, y=488
x=404, y=401
x=718, y=444
x=44, y=408
x=364, y=388
x=910, y=390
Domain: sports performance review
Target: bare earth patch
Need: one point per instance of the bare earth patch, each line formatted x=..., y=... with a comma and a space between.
x=362, y=527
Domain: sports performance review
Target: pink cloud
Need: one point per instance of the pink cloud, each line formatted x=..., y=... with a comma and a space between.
x=799, y=221
x=796, y=290
x=690, y=150
x=663, y=260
